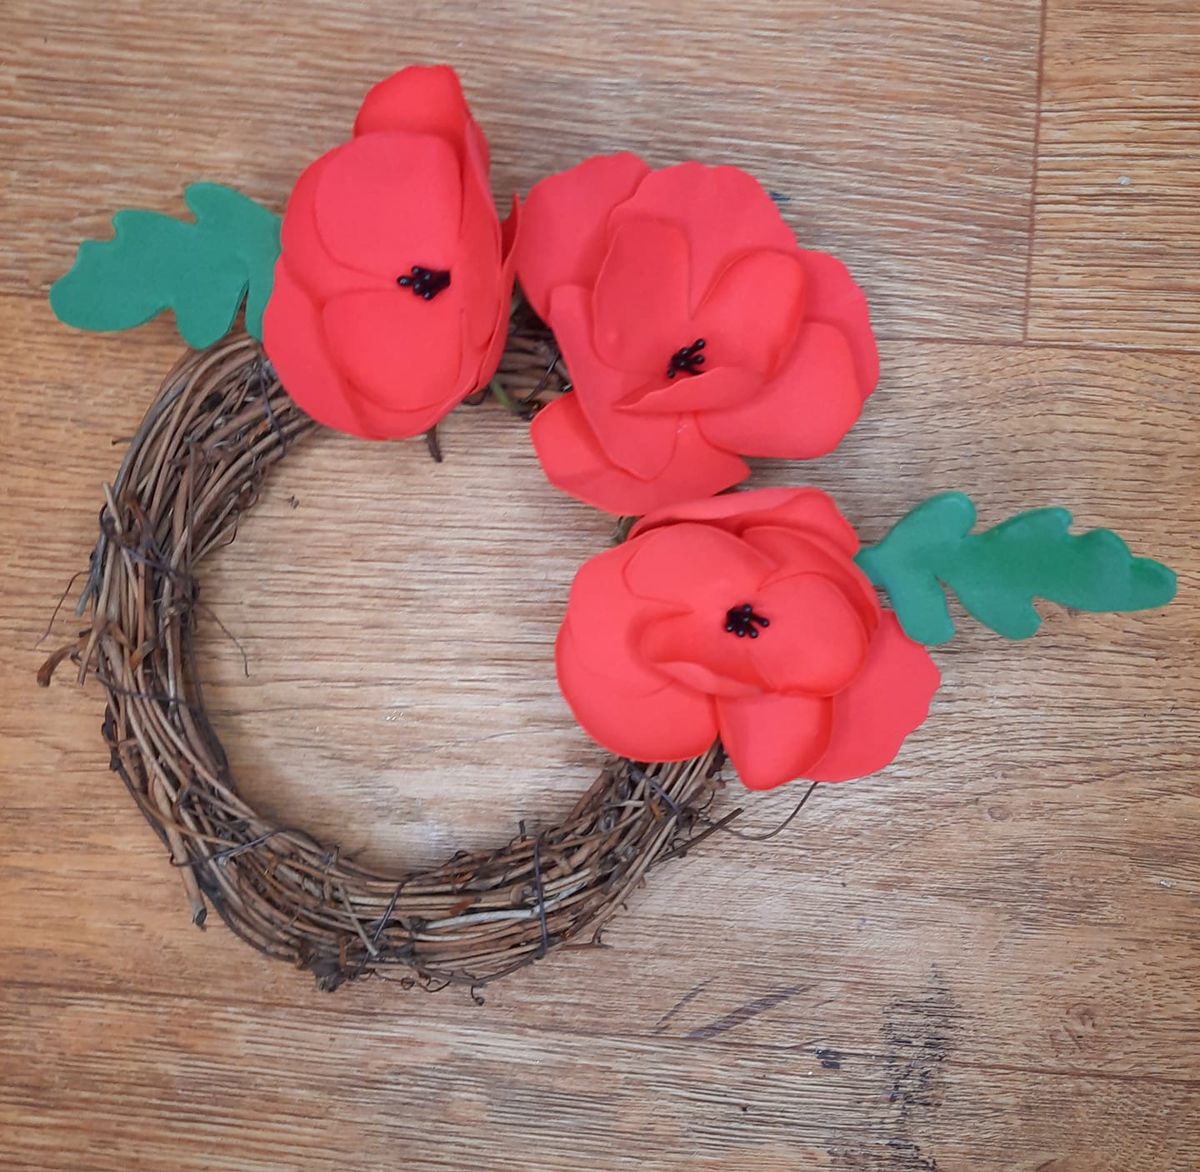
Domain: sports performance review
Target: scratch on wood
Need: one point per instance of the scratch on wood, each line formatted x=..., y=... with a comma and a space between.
x=918, y=1032
x=683, y=1002
x=744, y=1013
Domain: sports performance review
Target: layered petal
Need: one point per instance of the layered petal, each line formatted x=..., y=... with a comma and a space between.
x=695, y=649
x=887, y=701
x=622, y=701
x=420, y=100
x=715, y=387
x=670, y=724
x=640, y=302
x=835, y=298
x=774, y=739
x=644, y=450
x=383, y=422
x=817, y=641
x=808, y=510
x=565, y=235
x=608, y=621
x=294, y=339
x=510, y=231
x=478, y=278
x=484, y=245
x=574, y=462
x=308, y=260
x=695, y=568
x=723, y=211
x=750, y=314
x=804, y=411
x=826, y=688
x=388, y=201
x=401, y=352
x=798, y=551
x=780, y=353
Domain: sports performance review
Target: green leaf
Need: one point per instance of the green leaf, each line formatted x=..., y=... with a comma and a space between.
x=997, y=574
x=200, y=270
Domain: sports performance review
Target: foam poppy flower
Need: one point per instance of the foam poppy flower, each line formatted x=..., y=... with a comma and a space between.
x=742, y=617
x=393, y=287
x=694, y=328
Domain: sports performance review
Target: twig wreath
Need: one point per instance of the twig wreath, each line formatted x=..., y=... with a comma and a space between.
x=671, y=327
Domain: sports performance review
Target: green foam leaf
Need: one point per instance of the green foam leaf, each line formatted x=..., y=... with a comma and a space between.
x=997, y=574
x=201, y=270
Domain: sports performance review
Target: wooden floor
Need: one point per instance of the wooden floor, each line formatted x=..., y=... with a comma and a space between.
x=986, y=958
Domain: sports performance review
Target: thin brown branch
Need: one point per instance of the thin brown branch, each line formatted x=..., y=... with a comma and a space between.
x=218, y=425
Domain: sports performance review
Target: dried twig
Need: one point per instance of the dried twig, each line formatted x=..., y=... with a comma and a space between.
x=220, y=422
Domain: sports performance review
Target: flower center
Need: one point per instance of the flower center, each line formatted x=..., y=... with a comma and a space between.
x=688, y=360
x=425, y=283
x=742, y=621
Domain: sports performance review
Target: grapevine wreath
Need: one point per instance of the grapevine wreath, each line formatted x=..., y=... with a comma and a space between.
x=668, y=326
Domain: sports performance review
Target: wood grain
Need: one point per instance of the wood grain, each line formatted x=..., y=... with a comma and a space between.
x=899, y=139
x=1118, y=175
x=985, y=958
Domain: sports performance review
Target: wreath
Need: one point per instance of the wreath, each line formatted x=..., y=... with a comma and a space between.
x=668, y=327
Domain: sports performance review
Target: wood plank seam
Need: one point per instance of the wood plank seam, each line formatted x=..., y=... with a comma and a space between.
x=1033, y=170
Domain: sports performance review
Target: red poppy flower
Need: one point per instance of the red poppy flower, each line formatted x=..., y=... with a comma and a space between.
x=694, y=329
x=742, y=616
x=392, y=292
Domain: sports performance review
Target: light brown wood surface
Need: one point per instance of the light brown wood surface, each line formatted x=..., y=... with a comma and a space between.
x=987, y=957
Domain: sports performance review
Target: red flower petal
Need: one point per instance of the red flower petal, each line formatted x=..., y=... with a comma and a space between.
x=751, y=312
x=624, y=702
x=671, y=724
x=386, y=423
x=695, y=568
x=565, y=232
x=748, y=320
x=488, y=248
x=797, y=508
x=403, y=353
x=816, y=643
x=477, y=189
x=388, y=201
x=696, y=650
x=644, y=449
x=294, y=340
x=804, y=411
x=491, y=359
x=718, y=386
x=640, y=303
x=478, y=280
x=419, y=99
x=774, y=739
x=607, y=621
x=799, y=551
x=872, y=717
x=509, y=232
x=574, y=462
x=478, y=155
x=300, y=242
x=835, y=298
x=723, y=212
